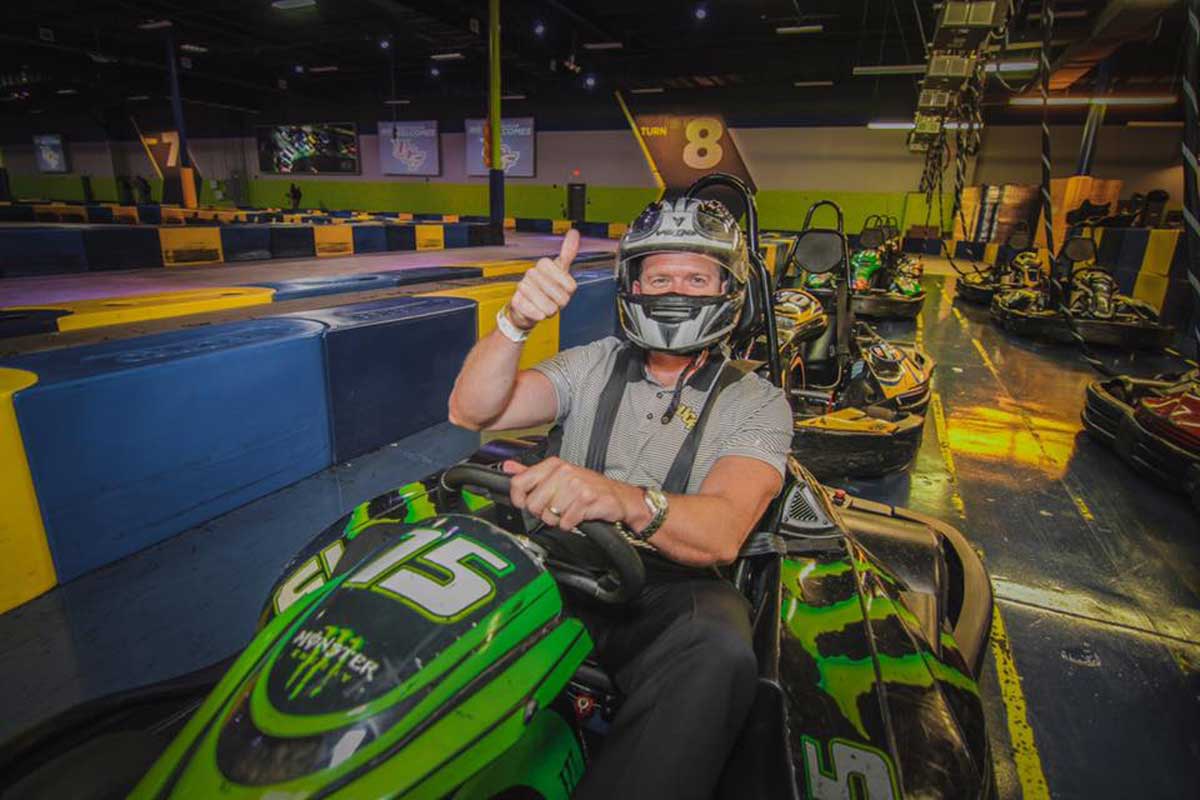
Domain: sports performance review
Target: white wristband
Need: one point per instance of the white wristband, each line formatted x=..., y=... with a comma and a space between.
x=510, y=331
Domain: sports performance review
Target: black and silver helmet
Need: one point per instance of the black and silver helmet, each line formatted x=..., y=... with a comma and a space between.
x=677, y=323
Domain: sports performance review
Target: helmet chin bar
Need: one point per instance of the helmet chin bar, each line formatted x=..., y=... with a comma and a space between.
x=677, y=323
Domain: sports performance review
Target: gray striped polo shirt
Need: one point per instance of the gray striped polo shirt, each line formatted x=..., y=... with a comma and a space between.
x=751, y=418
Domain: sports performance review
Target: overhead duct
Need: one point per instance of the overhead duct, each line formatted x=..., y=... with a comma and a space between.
x=1120, y=21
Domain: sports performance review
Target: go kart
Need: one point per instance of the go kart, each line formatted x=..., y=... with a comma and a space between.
x=1153, y=424
x=886, y=281
x=859, y=400
x=1080, y=302
x=423, y=646
x=1011, y=271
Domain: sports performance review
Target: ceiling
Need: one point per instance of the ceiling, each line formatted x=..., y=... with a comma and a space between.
x=245, y=61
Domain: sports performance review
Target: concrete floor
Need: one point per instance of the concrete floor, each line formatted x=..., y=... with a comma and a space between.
x=1094, y=692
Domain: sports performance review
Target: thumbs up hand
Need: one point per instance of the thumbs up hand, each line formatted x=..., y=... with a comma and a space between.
x=546, y=288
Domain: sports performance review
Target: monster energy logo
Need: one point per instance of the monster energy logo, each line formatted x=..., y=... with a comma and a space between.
x=332, y=654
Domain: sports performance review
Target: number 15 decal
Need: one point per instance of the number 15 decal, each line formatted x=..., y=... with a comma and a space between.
x=455, y=578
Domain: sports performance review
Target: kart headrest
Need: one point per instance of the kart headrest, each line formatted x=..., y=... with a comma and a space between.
x=750, y=322
x=871, y=238
x=819, y=250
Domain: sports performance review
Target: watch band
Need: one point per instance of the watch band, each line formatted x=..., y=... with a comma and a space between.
x=506, y=326
x=656, y=501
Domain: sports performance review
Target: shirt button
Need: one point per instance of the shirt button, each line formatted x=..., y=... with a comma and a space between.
x=650, y=416
x=659, y=395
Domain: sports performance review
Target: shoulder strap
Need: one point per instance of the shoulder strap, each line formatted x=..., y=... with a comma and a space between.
x=626, y=370
x=680, y=473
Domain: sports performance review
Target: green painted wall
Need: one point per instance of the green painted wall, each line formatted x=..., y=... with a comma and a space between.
x=776, y=208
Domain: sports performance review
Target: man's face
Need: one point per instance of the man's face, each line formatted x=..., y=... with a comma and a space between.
x=678, y=273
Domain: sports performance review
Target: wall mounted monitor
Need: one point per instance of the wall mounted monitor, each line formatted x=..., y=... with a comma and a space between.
x=50, y=153
x=323, y=147
x=517, y=140
x=409, y=148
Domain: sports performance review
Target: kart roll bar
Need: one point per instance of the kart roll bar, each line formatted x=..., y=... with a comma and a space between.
x=756, y=263
x=845, y=322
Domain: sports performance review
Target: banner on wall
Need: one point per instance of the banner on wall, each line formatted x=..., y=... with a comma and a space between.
x=517, y=141
x=409, y=148
x=49, y=152
x=684, y=147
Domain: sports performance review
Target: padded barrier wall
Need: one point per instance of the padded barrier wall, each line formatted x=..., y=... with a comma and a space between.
x=592, y=312
x=133, y=441
x=115, y=446
x=390, y=365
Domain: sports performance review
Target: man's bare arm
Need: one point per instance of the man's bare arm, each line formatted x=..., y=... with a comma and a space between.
x=489, y=393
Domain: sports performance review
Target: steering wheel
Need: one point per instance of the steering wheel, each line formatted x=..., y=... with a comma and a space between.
x=618, y=585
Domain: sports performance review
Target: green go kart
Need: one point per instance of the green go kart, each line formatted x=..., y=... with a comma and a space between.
x=885, y=282
x=423, y=646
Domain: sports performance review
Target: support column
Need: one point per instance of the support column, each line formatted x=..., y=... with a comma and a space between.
x=1095, y=118
x=187, y=178
x=496, y=167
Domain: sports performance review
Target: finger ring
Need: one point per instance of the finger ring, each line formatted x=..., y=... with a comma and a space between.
x=554, y=511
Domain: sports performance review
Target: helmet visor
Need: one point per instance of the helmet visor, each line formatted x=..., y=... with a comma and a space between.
x=684, y=263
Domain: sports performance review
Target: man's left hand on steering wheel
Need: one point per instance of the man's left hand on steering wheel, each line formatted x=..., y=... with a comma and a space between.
x=562, y=494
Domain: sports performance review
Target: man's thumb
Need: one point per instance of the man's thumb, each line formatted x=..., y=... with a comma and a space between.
x=570, y=249
x=513, y=467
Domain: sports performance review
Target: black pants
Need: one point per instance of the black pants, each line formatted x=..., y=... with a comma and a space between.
x=683, y=656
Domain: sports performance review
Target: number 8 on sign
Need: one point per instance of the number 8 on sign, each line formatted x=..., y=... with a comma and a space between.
x=702, y=150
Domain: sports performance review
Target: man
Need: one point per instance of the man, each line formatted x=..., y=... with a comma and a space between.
x=681, y=652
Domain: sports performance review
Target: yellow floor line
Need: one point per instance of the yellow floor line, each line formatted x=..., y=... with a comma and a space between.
x=1020, y=733
x=939, y=424
x=919, y=339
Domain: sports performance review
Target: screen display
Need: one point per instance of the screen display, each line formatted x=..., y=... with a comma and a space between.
x=320, y=147
x=409, y=148
x=50, y=154
x=517, y=140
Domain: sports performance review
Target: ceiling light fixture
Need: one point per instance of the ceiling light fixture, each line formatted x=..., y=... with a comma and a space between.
x=325, y=68
x=434, y=71
x=193, y=48
x=602, y=45
x=701, y=13
x=891, y=69
x=882, y=125
x=590, y=81
x=789, y=30
x=539, y=28
x=1154, y=123
x=396, y=102
x=292, y=5
x=808, y=84
x=648, y=90
x=455, y=56
x=1011, y=66
x=155, y=24
x=67, y=91
x=384, y=44
x=1162, y=100
x=512, y=97
x=137, y=97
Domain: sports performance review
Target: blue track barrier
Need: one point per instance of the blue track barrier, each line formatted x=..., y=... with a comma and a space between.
x=246, y=242
x=99, y=214
x=131, y=442
x=401, y=237
x=30, y=321
x=369, y=239
x=592, y=312
x=391, y=365
x=41, y=251
x=122, y=247
x=292, y=241
x=150, y=214
x=458, y=234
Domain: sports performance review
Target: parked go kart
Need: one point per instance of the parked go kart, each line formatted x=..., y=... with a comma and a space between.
x=1153, y=424
x=424, y=647
x=1094, y=309
x=859, y=399
x=1017, y=266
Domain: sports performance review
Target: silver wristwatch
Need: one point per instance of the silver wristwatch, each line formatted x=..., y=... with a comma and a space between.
x=656, y=501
